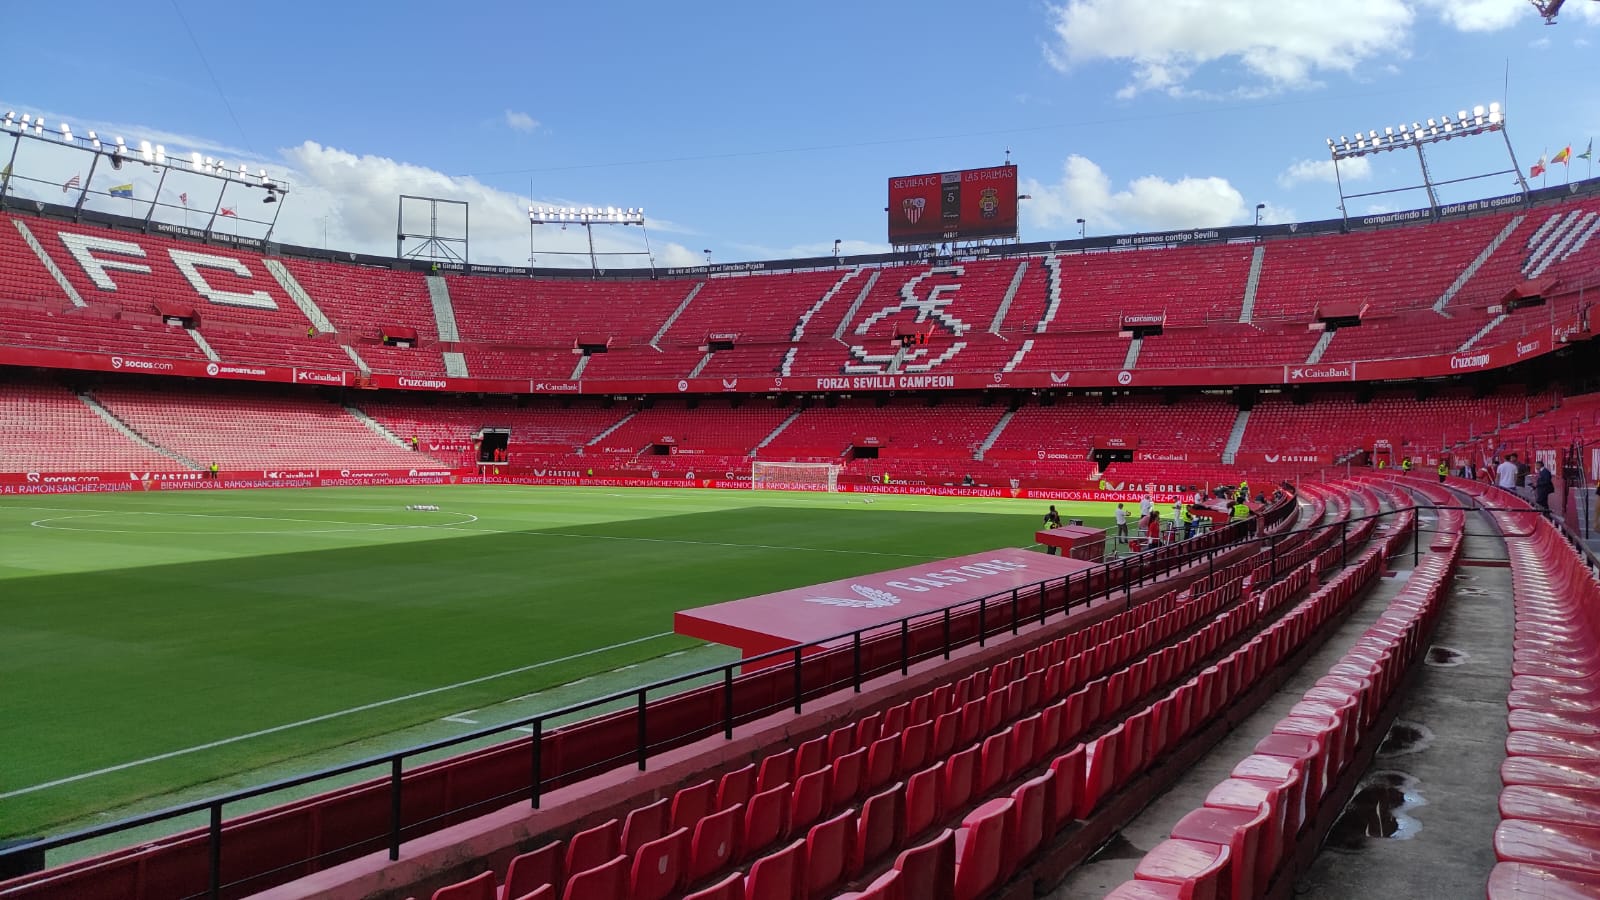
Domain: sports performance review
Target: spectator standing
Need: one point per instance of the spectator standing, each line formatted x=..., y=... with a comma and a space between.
x=1444, y=470
x=1122, y=524
x=1152, y=527
x=1505, y=473
x=1147, y=505
x=1543, y=486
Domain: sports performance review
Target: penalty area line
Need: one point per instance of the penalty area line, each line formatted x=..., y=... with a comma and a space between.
x=211, y=745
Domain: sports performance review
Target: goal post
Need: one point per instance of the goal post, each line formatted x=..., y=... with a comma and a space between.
x=793, y=476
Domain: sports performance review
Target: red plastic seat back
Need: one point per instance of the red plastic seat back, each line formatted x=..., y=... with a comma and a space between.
x=657, y=869
x=878, y=830
x=478, y=887
x=766, y=817
x=603, y=882
x=645, y=824
x=594, y=847
x=829, y=847
x=929, y=869
x=535, y=868
x=777, y=876
x=716, y=842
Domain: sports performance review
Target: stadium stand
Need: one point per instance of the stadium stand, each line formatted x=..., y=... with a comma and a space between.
x=48, y=428
x=260, y=431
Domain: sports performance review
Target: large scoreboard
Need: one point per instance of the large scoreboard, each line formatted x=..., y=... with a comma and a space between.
x=953, y=206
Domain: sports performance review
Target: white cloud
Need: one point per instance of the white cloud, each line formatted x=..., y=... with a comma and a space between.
x=1281, y=45
x=1321, y=170
x=357, y=195
x=1274, y=214
x=1147, y=203
x=520, y=121
x=1480, y=15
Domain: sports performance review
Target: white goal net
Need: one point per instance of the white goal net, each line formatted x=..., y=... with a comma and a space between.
x=781, y=476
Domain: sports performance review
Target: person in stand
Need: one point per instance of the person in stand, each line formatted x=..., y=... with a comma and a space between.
x=414, y=444
x=1444, y=470
x=1543, y=486
x=1505, y=473
x=1122, y=524
x=1405, y=465
x=1052, y=519
x=1382, y=462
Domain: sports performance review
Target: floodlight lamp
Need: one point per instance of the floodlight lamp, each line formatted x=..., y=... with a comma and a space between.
x=1494, y=107
x=146, y=152
x=1461, y=115
x=161, y=154
x=66, y=132
x=1495, y=118
x=1432, y=124
x=1478, y=111
x=38, y=127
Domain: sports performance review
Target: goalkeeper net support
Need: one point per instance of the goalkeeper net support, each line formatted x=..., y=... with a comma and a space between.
x=779, y=476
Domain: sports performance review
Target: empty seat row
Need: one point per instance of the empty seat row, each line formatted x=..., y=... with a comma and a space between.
x=1548, y=841
x=1251, y=824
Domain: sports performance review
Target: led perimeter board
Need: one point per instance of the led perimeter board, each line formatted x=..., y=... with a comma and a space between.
x=953, y=206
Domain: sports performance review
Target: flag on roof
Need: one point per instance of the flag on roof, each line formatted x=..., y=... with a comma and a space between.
x=72, y=182
x=1589, y=151
x=1563, y=156
x=6, y=172
x=227, y=212
x=1538, y=169
x=122, y=190
x=184, y=199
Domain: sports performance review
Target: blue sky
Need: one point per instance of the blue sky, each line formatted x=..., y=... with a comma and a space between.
x=764, y=130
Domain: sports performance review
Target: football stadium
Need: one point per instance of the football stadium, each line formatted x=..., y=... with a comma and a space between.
x=1252, y=559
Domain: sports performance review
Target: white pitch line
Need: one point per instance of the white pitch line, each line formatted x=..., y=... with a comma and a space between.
x=322, y=718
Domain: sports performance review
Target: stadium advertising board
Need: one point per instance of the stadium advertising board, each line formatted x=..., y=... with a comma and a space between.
x=951, y=206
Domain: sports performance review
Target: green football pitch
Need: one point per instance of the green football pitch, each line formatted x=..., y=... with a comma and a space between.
x=162, y=646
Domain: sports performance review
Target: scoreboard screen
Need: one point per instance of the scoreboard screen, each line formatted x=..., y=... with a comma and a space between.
x=953, y=206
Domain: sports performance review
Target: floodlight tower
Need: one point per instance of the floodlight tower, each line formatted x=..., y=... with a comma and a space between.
x=589, y=217
x=116, y=154
x=1416, y=136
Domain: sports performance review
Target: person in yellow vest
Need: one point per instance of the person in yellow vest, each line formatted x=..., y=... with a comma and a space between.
x=1405, y=465
x=1382, y=462
x=1444, y=470
x=213, y=469
x=1244, y=489
x=1241, y=509
x=1188, y=523
x=885, y=477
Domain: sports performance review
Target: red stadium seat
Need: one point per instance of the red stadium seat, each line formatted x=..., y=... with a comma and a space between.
x=716, y=842
x=847, y=779
x=776, y=769
x=658, y=867
x=478, y=887
x=981, y=849
x=929, y=869
x=809, y=802
x=691, y=804
x=880, y=828
x=829, y=847
x=883, y=762
x=1200, y=867
x=533, y=869
x=736, y=787
x=960, y=778
x=593, y=847
x=766, y=818
x=1524, y=881
x=729, y=888
x=924, y=791
x=779, y=875
x=604, y=882
x=916, y=742
x=645, y=824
